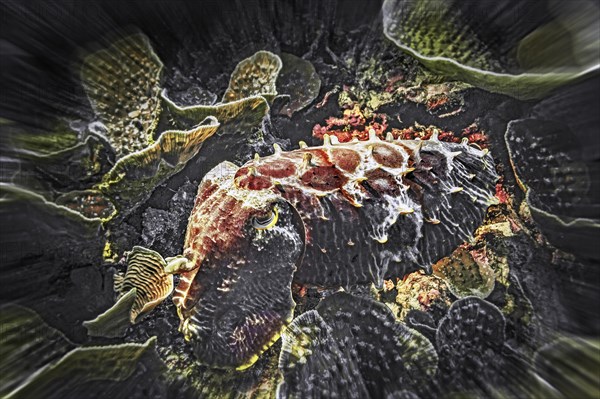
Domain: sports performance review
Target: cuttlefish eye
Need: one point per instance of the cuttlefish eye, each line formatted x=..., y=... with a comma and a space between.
x=267, y=221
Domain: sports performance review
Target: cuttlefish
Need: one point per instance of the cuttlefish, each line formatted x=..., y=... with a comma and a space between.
x=335, y=215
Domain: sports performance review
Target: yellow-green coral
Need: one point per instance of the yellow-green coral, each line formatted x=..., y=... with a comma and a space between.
x=136, y=174
x=442, y=39
x=115, y=321
x=57, y=366
x=123, y=85
x=84, y=365
x=465, y=275
x=418, y=291
x=57, y=139
x=254, y=76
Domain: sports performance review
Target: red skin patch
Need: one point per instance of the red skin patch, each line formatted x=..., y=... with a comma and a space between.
x=254, y=182
x=324, y=178
x=346, y=160
x=209, y=234
x=382, y=182
x=318, y=157
x=388, y=156
x=279, y=169
x=246, y=178
x=205, y=192
x=243, y=171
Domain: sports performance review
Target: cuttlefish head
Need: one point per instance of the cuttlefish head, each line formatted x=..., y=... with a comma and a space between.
x=241, y=251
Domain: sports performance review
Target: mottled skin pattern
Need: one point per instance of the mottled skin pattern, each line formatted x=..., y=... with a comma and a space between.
x=365, y=211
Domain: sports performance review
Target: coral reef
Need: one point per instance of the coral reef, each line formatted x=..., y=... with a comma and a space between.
x=428, y=236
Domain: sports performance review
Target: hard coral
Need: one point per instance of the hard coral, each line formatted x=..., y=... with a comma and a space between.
x=353, y=124
x=420, y=291
x=471, y=133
